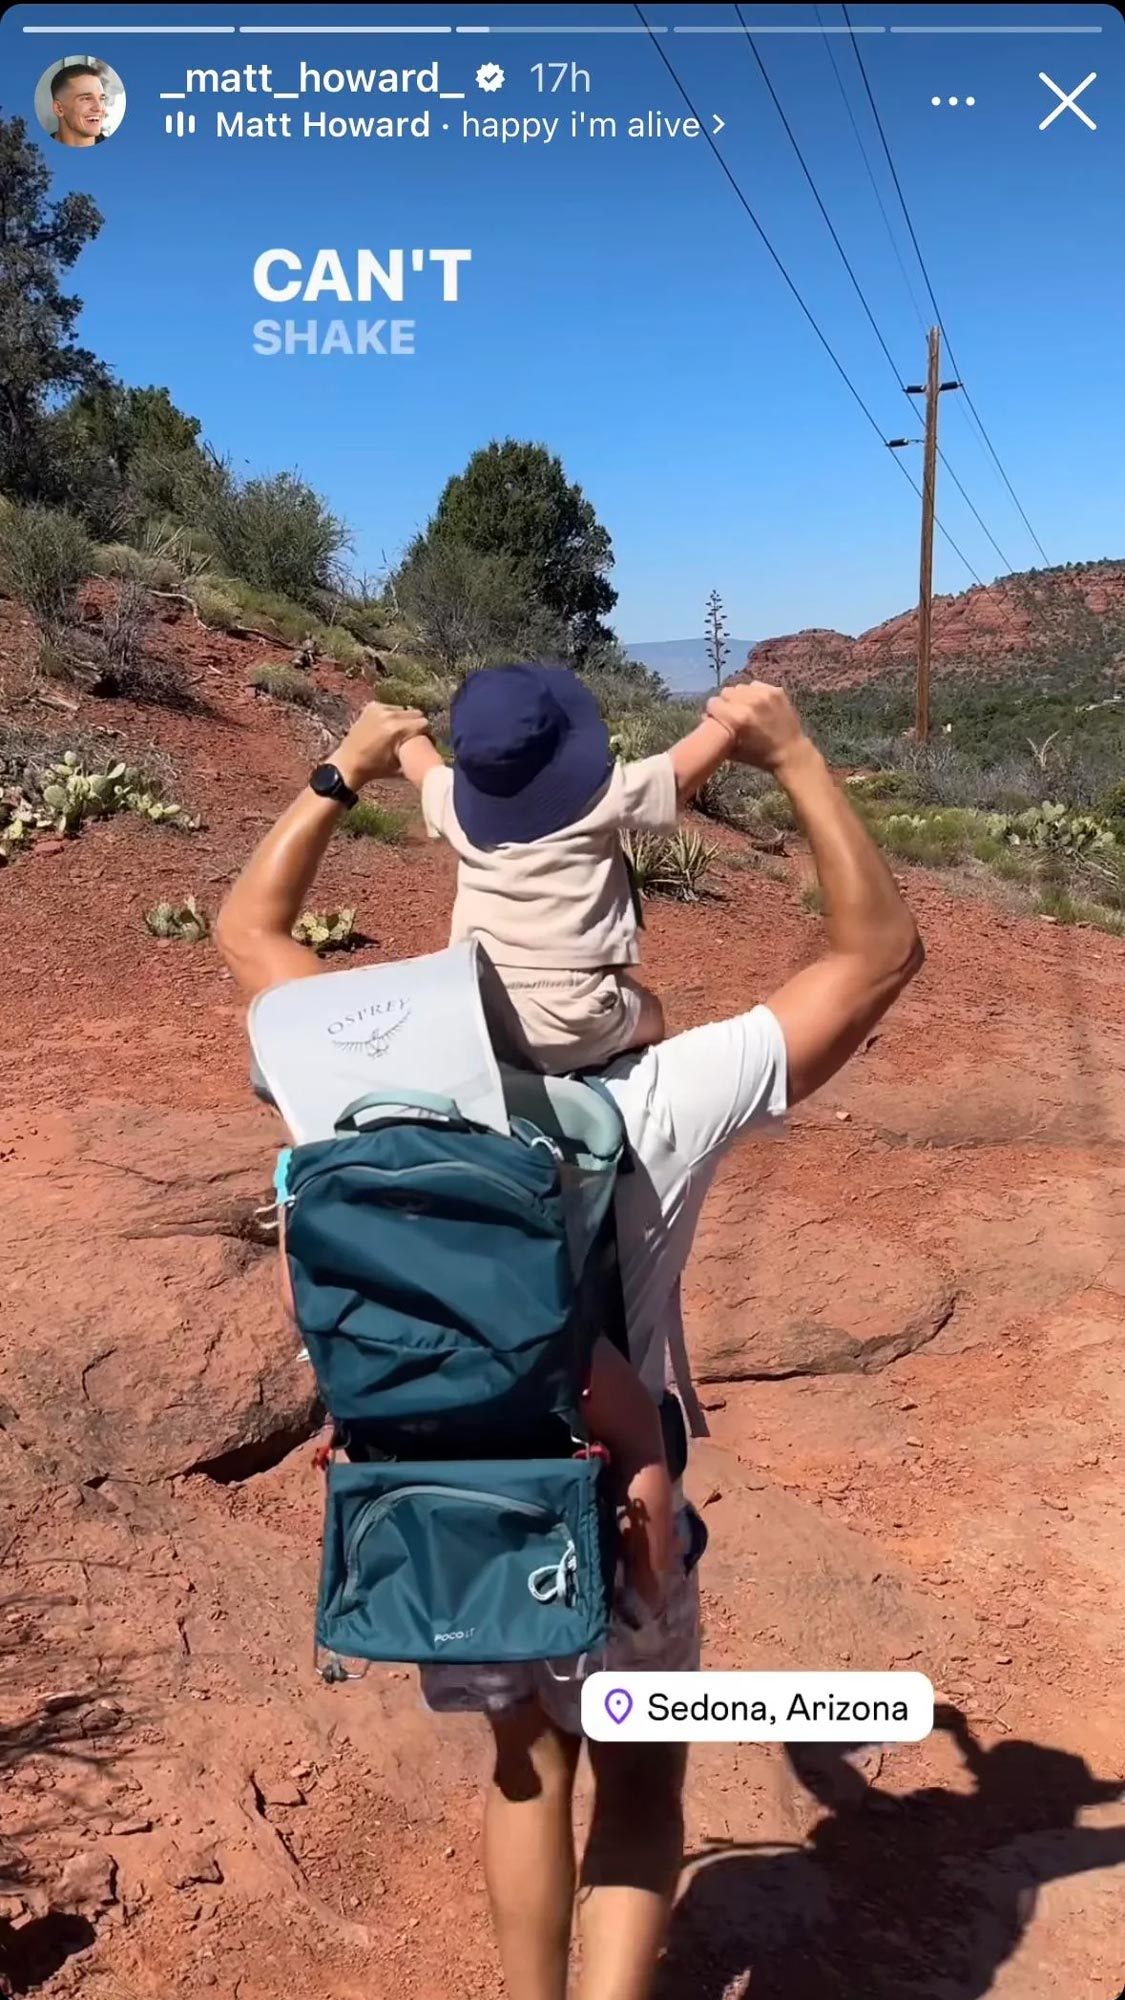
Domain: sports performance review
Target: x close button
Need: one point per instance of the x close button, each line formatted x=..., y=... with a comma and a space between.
x=1066, y=100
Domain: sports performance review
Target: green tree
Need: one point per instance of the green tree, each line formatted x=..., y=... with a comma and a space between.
x=40, y=361
x=471, y=610
x=514, y=501
x=121, y=455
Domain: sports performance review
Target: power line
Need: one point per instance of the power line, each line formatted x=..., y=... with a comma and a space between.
x=856, y=286
x=891, y=237
x=806, y=310
x=929, y=287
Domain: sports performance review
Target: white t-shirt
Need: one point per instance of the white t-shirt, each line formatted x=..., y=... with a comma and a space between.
x=562, y=903
x=685, y=1103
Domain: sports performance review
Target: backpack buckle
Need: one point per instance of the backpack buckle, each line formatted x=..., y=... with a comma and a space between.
x=591, y=1449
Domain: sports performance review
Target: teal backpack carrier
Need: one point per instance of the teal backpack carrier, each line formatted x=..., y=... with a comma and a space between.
x=450, y=1281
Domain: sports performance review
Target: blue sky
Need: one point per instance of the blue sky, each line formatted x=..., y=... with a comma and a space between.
x=619, y=306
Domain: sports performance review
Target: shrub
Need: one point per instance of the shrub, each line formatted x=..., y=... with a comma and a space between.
x=274, y=532
x=228, y=605
x=1111, y=809
x=633, y=736
x=776, y=808
x=812, y=899
x=426, y=690
x=1102, y=869
x=366, y=614
x=185, y=921
x=286, y=684
x=44, y=557
x=732, y=796
x=126, y=627
x=117, y=559
x=992, y=724
x=334, y=930
x=677, y=865
x=755, y=863
x=165, y=558
x=624, y=686
x=471, y=608
x=368, y=821
x=341, y=646
x=217, y=605
x=901, y=787
x=1065, y=908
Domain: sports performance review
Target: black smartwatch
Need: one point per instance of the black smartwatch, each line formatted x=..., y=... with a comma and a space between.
x=327, y=783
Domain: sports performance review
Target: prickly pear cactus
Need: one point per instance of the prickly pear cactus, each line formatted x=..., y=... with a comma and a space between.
x=63, y=797
x=185, y=921
x=332, y=930
x=1052, y=828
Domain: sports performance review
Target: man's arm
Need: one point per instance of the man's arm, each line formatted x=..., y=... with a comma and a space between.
x=697, y=757
x=874, y=949
x=254, y=926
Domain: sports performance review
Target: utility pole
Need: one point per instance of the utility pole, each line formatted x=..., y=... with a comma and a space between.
x=932, y=389
x=926, y=566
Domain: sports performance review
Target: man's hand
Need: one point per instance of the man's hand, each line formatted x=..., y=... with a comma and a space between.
x=370, y=748
x=761, y=719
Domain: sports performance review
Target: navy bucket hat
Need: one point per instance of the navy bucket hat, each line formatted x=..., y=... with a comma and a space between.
x=530, y=753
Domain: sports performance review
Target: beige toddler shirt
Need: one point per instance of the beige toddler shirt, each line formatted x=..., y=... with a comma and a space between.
x=563, y=902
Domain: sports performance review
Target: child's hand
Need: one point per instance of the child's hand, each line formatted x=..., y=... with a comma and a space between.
x=374, y=743
x=762, y=722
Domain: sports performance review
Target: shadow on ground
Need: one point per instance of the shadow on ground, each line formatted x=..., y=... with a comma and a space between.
x=74, y=1730
x=927, y=1892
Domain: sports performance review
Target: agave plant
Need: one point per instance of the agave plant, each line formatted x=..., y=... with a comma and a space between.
x=675, y=865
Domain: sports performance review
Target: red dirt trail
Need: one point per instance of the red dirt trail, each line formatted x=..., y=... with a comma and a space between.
x=907, y=1315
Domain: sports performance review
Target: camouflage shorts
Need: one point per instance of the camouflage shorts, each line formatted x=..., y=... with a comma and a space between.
x=636, y=1641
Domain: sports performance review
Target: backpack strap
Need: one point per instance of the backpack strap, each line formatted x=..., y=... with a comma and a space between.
x=606, y=1265
x=681, y=1370
x=689, y=1404
x=365, y=1111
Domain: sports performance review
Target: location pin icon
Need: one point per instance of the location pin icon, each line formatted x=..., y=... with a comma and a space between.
x=618, y=1703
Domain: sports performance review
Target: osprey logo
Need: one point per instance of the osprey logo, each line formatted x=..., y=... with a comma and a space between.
x=370, y=1030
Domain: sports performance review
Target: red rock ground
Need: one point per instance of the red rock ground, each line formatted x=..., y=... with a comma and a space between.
x=909, y=1317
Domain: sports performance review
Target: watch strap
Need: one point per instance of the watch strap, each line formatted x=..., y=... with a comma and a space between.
x=333, y=785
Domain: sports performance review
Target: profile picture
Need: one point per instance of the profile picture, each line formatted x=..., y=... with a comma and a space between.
x=79, y=101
